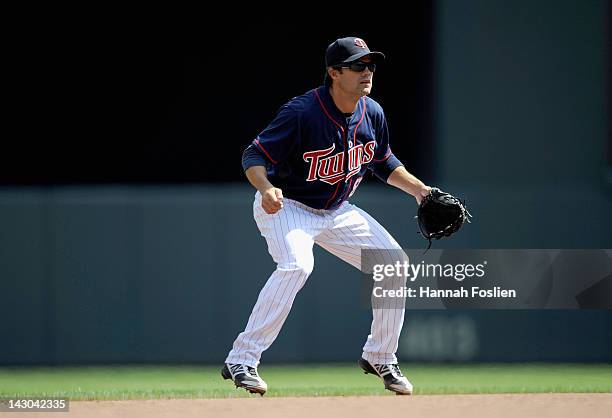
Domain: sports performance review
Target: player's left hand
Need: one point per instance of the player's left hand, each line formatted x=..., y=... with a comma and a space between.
x=421, y=193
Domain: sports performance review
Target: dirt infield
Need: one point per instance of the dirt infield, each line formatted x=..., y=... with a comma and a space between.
x=424, y=406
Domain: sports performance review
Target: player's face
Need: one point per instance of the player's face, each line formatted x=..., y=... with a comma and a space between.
x=357, y=79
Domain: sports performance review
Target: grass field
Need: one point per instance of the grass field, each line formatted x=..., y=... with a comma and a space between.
x=120, y=382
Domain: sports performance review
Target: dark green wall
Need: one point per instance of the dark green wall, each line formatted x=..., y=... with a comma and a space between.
x=131, y=274
x=521, y=90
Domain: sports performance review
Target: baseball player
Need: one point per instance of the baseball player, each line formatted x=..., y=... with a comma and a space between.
x=305, y=165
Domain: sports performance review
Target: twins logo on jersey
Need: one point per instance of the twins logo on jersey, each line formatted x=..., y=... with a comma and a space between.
x=331, y=169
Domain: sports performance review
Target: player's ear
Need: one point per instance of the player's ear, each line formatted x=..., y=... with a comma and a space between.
x=333, y=72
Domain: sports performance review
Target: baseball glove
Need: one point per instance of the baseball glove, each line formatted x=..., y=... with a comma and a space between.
x=440, y=215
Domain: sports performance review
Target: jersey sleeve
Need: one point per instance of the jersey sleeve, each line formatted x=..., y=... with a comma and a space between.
x=252, y=156
x=384, y=162
x=280, y=137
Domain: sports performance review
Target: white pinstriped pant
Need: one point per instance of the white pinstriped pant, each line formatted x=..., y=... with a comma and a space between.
x=291, y=234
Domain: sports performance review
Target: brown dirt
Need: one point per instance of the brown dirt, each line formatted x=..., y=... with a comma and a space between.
x=424, y=406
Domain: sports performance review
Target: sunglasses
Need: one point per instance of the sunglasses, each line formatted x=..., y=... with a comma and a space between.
x=359, y=66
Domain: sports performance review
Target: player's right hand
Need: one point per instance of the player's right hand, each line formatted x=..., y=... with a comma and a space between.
x=272, y=200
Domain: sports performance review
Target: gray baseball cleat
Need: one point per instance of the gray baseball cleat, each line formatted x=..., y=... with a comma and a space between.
x=391, y=375
x=244, y=377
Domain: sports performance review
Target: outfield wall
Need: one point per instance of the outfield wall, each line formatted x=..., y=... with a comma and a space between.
x=128, y=274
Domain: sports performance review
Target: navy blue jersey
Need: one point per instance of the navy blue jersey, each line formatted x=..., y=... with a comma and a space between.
x=317, y=155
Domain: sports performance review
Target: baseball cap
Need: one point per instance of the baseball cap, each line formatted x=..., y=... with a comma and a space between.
x=349, y=49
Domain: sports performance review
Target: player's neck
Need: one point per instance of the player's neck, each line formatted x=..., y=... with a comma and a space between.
x=346, y=103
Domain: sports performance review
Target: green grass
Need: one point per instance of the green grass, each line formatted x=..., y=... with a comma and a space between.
x=147, y=382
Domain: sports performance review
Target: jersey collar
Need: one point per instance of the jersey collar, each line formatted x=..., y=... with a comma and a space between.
x=334, y=112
